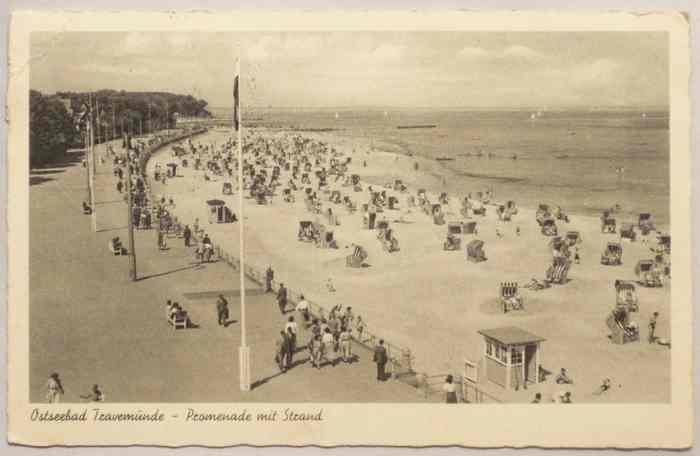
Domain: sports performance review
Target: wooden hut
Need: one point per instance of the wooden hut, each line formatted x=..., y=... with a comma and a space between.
x=219, y=212
x=511, y=356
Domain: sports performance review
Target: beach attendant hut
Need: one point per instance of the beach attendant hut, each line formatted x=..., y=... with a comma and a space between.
x=475, y=251
x=511, y=356
x=219, y=213
x=172, y=169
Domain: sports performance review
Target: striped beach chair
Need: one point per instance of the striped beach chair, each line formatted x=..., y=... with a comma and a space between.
x=510, y=297
x=558, y=272
x=357, y=258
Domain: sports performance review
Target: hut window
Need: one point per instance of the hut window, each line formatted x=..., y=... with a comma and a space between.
x=489, y=348
x=516, y=356
x=504, y=354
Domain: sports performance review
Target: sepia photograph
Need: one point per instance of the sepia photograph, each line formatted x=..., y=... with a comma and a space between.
x=409, y=217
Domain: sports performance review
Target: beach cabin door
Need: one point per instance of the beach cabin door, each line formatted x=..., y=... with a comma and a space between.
x=530, y=362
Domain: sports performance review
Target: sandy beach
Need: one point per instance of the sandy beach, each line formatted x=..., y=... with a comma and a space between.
x=434, y=301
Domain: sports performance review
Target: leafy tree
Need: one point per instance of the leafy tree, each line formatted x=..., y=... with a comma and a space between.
x=51, y=129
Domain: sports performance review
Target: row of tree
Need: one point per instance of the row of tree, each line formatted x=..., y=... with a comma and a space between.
x=53, y=131
x=117, y=112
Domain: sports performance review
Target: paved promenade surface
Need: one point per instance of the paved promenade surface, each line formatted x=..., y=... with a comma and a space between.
x=91, y=324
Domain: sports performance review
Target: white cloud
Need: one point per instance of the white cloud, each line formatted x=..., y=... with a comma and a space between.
x=114, y=69
x=598, y=72
x=515, y=52
x=387, y=52
x=260, y=50
x=522, y=52
x=137, y=43
x=472, y=53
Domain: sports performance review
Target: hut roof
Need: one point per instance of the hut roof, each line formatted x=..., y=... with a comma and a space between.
x=511, y=335
x=216, y=202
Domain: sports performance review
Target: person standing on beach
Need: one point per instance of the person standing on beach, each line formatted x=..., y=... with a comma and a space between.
x=282, y=298
x=652, y=327
x=380, y=359
x=54, y=389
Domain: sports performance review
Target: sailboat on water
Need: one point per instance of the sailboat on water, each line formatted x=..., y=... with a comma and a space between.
x=337, y=116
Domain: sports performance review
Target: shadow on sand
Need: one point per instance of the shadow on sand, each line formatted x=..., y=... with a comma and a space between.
x=161, y=274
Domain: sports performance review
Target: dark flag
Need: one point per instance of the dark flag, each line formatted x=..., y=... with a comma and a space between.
x=236, y=105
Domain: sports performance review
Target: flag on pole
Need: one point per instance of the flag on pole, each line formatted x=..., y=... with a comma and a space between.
x=236, y=102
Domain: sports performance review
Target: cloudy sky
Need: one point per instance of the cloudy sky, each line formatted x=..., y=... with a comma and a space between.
x=397, y=69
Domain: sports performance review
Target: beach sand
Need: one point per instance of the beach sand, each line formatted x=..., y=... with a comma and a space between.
x=434, y=301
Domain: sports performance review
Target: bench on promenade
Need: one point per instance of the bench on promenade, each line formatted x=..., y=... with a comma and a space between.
x=115, y=246
x=178, y=321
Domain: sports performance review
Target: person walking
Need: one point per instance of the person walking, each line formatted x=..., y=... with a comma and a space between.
x=281, y=351
x=380, y=359
x=346, y=344
x=289, y=350
x=282, y=298
x=315, y=350
x=303, y=309
x=269, y=277
x=54, y=389
x=450, y=390
x=327, y=342
x=222, y=310
x=652, y=327
x=291, y=328
x=187, y=235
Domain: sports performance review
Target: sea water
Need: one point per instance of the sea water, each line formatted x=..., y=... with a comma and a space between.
x=584, y=161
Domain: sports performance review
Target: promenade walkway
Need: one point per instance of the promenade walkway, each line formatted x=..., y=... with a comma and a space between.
x=91, y=324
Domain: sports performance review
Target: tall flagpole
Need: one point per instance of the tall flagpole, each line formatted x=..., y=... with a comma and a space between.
x=91, y=166
x=244, y=350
